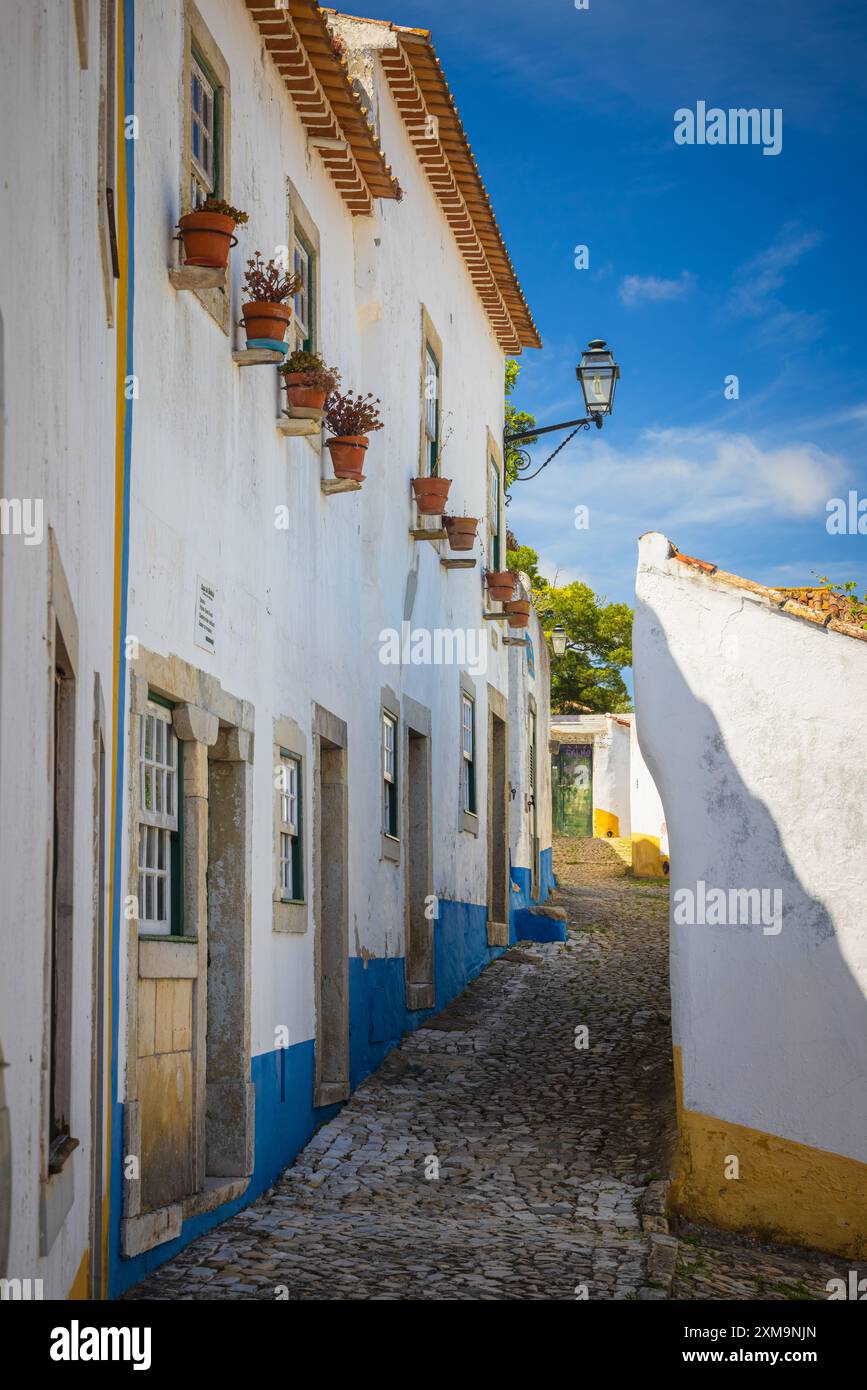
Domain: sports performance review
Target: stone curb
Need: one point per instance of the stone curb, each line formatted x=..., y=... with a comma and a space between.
x=662, y=1255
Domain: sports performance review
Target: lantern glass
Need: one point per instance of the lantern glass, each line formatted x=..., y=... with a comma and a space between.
x=558, y=640
x=598, y=375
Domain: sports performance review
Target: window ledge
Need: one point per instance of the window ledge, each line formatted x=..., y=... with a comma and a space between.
x=469, y=823
x=197, y=277
x=168, y=958
x=61, y=1156
x=390, y=848
x=56, y=1195
x=290, y=918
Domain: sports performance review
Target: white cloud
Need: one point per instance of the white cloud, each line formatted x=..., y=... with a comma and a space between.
x=731, y=476
x=650, y=289
x=695, y=485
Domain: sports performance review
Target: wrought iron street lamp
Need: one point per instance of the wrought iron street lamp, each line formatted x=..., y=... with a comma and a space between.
x=560, y=643
x=598, y=374
x=559, y=640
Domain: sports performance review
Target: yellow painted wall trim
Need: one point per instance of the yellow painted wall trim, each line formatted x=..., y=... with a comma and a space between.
x=786, y=1191
x=647, y=858
x=605, y=824
x=81, y=1283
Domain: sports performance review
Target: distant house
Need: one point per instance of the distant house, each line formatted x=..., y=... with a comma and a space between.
x=601, y=787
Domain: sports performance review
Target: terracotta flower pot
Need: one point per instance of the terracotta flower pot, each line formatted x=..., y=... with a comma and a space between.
x=207, y=237
x=347, y=455
x=461, y=531
x=501, y=585
x=518, y=610
x=262, y=320
x=299, y=394
x=431, y=494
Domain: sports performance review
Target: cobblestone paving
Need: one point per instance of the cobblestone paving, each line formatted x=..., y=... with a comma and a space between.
x=544, y=1151
x=720, y=1265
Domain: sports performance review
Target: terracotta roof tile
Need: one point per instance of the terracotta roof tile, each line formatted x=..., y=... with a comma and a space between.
x=316, y=77
x=819, y=604
x=420, y=90
x=691, y=560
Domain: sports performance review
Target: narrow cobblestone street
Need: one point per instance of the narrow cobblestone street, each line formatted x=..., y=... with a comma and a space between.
x=544, y=1151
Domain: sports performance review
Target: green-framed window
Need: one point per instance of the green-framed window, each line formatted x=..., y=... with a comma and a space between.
x=431, y=409
x=468, y=754
x=206, y=131
x=160, y=822
x=389, y=774
x=290, y=842
x=304, y=306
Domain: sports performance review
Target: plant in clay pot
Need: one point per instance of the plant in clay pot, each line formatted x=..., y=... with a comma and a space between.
x=350, y=417
x=307, y=380
x=461, y=531
x=518, y=610
x=501, y=585
x=266, y=313
x=432, y=490
x=208, y=233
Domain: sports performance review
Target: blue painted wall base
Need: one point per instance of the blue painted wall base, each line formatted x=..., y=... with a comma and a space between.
x=378, y=1019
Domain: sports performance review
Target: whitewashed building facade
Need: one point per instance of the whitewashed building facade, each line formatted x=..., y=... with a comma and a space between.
x=751, y=713
x=269, y=835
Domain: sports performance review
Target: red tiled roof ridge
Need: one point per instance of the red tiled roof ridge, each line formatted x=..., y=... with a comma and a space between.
x=416, y=77
x=821, y=614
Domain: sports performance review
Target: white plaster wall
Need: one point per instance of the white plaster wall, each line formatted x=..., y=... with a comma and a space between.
x=646, y=811
x=300, y=611
x=767, y=716
x=611, y=770
x=59, y=446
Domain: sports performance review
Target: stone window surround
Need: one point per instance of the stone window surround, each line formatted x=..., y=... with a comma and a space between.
x=206, y=718
x=330, y=732
x=299, y=215
x=494, y=452
x=56, y=1190
x=417, y=720
x=469, y=820
x=498, y=913
x=430, y=336
x=217, y=302
x=292, y=918
x=106, y=154
x=390, y=844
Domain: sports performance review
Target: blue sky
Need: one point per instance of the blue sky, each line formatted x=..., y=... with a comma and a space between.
x=705, y=261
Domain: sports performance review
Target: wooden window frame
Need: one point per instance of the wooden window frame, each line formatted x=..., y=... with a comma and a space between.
x=390, y=783
x=304, y=259
x=469, y=799
x=204, y=181
x=200, y=48
x=430, y=444
x=496, y=533
x=168, y=826
x=293, y=830
x=303, y=233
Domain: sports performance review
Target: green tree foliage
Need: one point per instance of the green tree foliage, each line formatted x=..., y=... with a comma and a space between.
x=515, y=420
x=589, y=676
